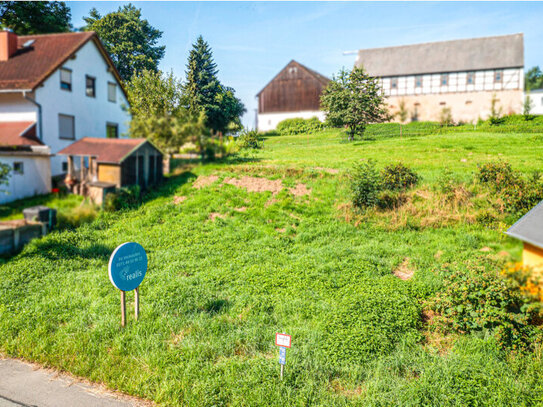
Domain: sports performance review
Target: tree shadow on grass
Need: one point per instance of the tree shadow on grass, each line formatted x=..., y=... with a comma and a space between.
x=55, y=250
x=169, y=187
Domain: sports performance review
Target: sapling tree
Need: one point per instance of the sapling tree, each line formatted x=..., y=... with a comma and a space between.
x=354, y=99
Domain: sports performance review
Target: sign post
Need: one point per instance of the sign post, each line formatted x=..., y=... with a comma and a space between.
x=283, y=341
x=127, y=268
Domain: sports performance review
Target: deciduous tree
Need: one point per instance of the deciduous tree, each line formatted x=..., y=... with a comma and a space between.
x=354, y=99
x=130, y=40
x=534, y=79
x=35, y=17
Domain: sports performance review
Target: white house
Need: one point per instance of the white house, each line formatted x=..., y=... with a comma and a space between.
x=536, y=96
x=28, y=159
x=66, y=85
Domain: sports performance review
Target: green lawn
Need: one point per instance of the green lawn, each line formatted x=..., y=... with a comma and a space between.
x=218, y=290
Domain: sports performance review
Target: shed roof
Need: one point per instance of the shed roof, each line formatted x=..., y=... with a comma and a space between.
x=31, y=65
x=504, y=51
x=18, y=134
x=105, y=150
x=529, y=228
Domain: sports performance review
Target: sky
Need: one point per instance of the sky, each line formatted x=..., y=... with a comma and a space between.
x=253, y=41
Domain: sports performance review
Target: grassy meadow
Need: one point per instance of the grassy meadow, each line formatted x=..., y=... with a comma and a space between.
x=229, y=267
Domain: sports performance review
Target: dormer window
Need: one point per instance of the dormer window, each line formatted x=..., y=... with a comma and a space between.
x=66, y=79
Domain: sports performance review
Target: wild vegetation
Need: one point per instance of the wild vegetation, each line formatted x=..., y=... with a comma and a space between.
x=238, y=250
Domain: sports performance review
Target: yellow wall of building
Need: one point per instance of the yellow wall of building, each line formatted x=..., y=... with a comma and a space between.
x=532, y=257
x=110, y=173
x=464, y=106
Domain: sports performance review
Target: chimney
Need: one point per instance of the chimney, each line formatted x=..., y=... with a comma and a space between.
x=8, y=44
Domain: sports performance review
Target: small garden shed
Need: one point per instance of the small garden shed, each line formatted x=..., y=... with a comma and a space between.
x=106, y=164
x=529, y=230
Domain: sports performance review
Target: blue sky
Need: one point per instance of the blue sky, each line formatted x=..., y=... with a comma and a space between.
x=253, y=41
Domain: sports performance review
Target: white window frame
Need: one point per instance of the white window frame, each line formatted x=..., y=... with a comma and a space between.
x=112, y=85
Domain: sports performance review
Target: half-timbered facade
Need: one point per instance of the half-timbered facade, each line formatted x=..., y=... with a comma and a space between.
x=461, y=76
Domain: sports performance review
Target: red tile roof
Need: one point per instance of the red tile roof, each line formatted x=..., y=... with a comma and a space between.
x=31, y=65
x=18, y=134
x=106, y=150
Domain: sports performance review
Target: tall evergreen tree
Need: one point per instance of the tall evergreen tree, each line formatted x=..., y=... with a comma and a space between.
x=204, y=92
x=35, y=17
x=202, y=85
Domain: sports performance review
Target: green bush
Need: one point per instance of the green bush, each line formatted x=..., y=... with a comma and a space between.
x=123, y=198
x=398, y=177
x=249, y=139
x=516, y=194
x=370, y=188
x=289, y=127
x=365, y=184
x=484, y=301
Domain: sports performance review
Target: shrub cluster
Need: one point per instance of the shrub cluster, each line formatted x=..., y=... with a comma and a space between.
x=249, y=139
x=123, y=198
x=517, y=194
x=384, y=189
x=485, y=301
x=294, y=126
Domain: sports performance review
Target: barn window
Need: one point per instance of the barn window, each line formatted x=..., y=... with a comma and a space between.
x=90, y=86
x=66, y=127
x=112, y=130
x=470, y=78
x=442, y=103
x=418, y=81
x=18, y=167
x=498, y=76
x=66, y=79
x=468, y=102
x=542, y=101
x=393, y=83
x=444, y=79
x=112, y=92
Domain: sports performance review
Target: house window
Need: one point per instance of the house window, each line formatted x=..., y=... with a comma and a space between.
x=66, y=127
x=470, y=78
x=65, y=166
x=418, y=81
x=444, y=79
x=66, y=79
x=393, y=83
x=18, y=167
x=90, y=86
x=541, y=101
x=112, y=92
x=112, y=130
x=498, y=76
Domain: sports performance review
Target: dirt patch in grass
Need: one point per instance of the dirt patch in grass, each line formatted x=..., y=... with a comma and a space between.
x=485, y=249
x=348, y=391
x=178, y=199
x=204, y=181
x=327, y=170
x=241, y=209
x=256, y=184
x=281, y=230
x=404, y=270
x=300, y=190
x=215, y=215
x=270, y=202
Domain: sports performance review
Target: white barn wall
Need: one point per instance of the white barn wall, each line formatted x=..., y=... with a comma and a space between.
x=91, y=113
x=35, y=180
x=537, y=101
x=269, y=121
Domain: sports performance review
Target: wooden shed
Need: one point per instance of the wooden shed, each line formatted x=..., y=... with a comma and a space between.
x=294, y=92
x=529, y=230
x=105, y=164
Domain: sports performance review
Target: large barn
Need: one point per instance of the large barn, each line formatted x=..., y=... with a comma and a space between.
x=293, y=92
x=462, y=76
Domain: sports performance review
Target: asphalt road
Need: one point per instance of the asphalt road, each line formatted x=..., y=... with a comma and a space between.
x=25, y=385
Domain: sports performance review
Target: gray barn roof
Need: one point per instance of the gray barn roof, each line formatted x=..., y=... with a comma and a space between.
x=505, y=51
x=529, y=228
